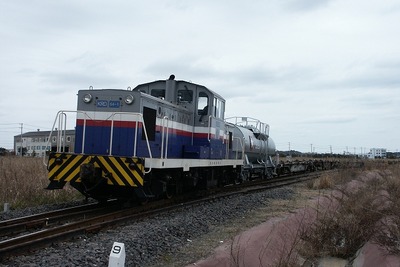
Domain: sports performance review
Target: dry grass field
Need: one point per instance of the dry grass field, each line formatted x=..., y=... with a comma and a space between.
x=22, y=183
x=364, y=208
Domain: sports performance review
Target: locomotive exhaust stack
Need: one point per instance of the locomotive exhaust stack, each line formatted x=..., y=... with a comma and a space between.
x=170, y=90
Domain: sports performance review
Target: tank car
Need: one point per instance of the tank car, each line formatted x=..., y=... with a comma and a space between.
x=253, y=143
x=159, y=139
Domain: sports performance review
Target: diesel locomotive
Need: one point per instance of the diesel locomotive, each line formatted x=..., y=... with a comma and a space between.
x=156, y=140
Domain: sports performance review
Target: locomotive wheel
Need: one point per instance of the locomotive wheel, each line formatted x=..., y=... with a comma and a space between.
x=143, y=202
x=245, y=176
x=169, y=192
x=170, y=187
x=238, y=179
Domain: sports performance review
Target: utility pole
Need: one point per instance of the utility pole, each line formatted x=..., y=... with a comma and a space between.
x=22, y=125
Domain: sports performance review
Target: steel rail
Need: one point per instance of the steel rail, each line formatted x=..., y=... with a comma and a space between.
x=18, y=225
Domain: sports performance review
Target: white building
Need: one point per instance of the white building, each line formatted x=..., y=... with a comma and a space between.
x=377, y=153
x=36, y=144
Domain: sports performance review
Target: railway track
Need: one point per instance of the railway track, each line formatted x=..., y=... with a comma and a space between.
x=61, y=231
x=13, y=227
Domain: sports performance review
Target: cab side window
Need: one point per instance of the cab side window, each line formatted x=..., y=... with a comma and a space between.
x=202, y=104
x=219, y=108
x=185, y=96
x=160, y=93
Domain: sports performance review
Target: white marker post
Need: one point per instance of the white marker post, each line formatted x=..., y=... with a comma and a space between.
x=117, y=255
x=6, y=207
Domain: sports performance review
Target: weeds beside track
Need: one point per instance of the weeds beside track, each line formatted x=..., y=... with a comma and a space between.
x=22, y=183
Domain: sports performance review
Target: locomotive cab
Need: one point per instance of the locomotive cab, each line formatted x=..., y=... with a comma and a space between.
x=200, y=113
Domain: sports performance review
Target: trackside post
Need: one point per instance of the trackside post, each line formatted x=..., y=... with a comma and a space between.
x=117, y=255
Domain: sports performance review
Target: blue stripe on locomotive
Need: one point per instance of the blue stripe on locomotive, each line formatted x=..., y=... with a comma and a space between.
x=97, y=141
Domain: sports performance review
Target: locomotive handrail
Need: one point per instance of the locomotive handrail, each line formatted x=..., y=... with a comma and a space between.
x=61, y=117
x=62, y=125
x=165, y=119
x=135, y=140
x=136, y=127
x=237, y=150
x=209, y=128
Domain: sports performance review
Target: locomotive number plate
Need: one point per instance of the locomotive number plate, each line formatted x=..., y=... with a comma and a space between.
x=106, y=104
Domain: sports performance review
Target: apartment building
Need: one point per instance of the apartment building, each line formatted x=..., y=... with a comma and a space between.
x=36, y=144
x=377, y=153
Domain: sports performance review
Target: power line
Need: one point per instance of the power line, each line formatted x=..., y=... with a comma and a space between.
x=35, y=126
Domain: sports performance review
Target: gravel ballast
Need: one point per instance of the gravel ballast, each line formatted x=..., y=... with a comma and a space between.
x=168, y=239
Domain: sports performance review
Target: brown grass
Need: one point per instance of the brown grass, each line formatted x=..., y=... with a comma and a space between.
x=388, y=235
x=356, y=205
x=326, y=181
x=365, y=211
x=22, y=183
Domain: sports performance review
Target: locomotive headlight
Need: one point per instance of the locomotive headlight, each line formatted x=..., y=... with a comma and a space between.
x=87, y=98
x=129, y=99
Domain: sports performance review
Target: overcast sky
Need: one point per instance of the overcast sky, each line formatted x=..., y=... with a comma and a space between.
x=321, y=73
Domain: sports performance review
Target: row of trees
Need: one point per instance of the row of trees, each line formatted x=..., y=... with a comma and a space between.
x=3, y=151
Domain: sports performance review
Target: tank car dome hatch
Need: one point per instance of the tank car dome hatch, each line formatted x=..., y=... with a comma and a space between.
x=257, y=133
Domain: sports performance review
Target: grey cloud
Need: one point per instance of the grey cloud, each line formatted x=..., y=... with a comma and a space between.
x=39, y=17
x=377, y=80
x=184, y=68
x=245, y=76
x=56, y=82
x=376, y=75
x=374, y=101
x=329, y=120
x=304, y=5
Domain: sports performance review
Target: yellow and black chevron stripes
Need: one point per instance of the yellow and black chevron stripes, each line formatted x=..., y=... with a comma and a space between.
x=120, y=171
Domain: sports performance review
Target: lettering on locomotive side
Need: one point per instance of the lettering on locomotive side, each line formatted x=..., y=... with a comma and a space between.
x=114, y=104
x=111, y=104
x=101, y=103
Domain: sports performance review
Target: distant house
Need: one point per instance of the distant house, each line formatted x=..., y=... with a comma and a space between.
x=379, y=153
x=36, y=144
